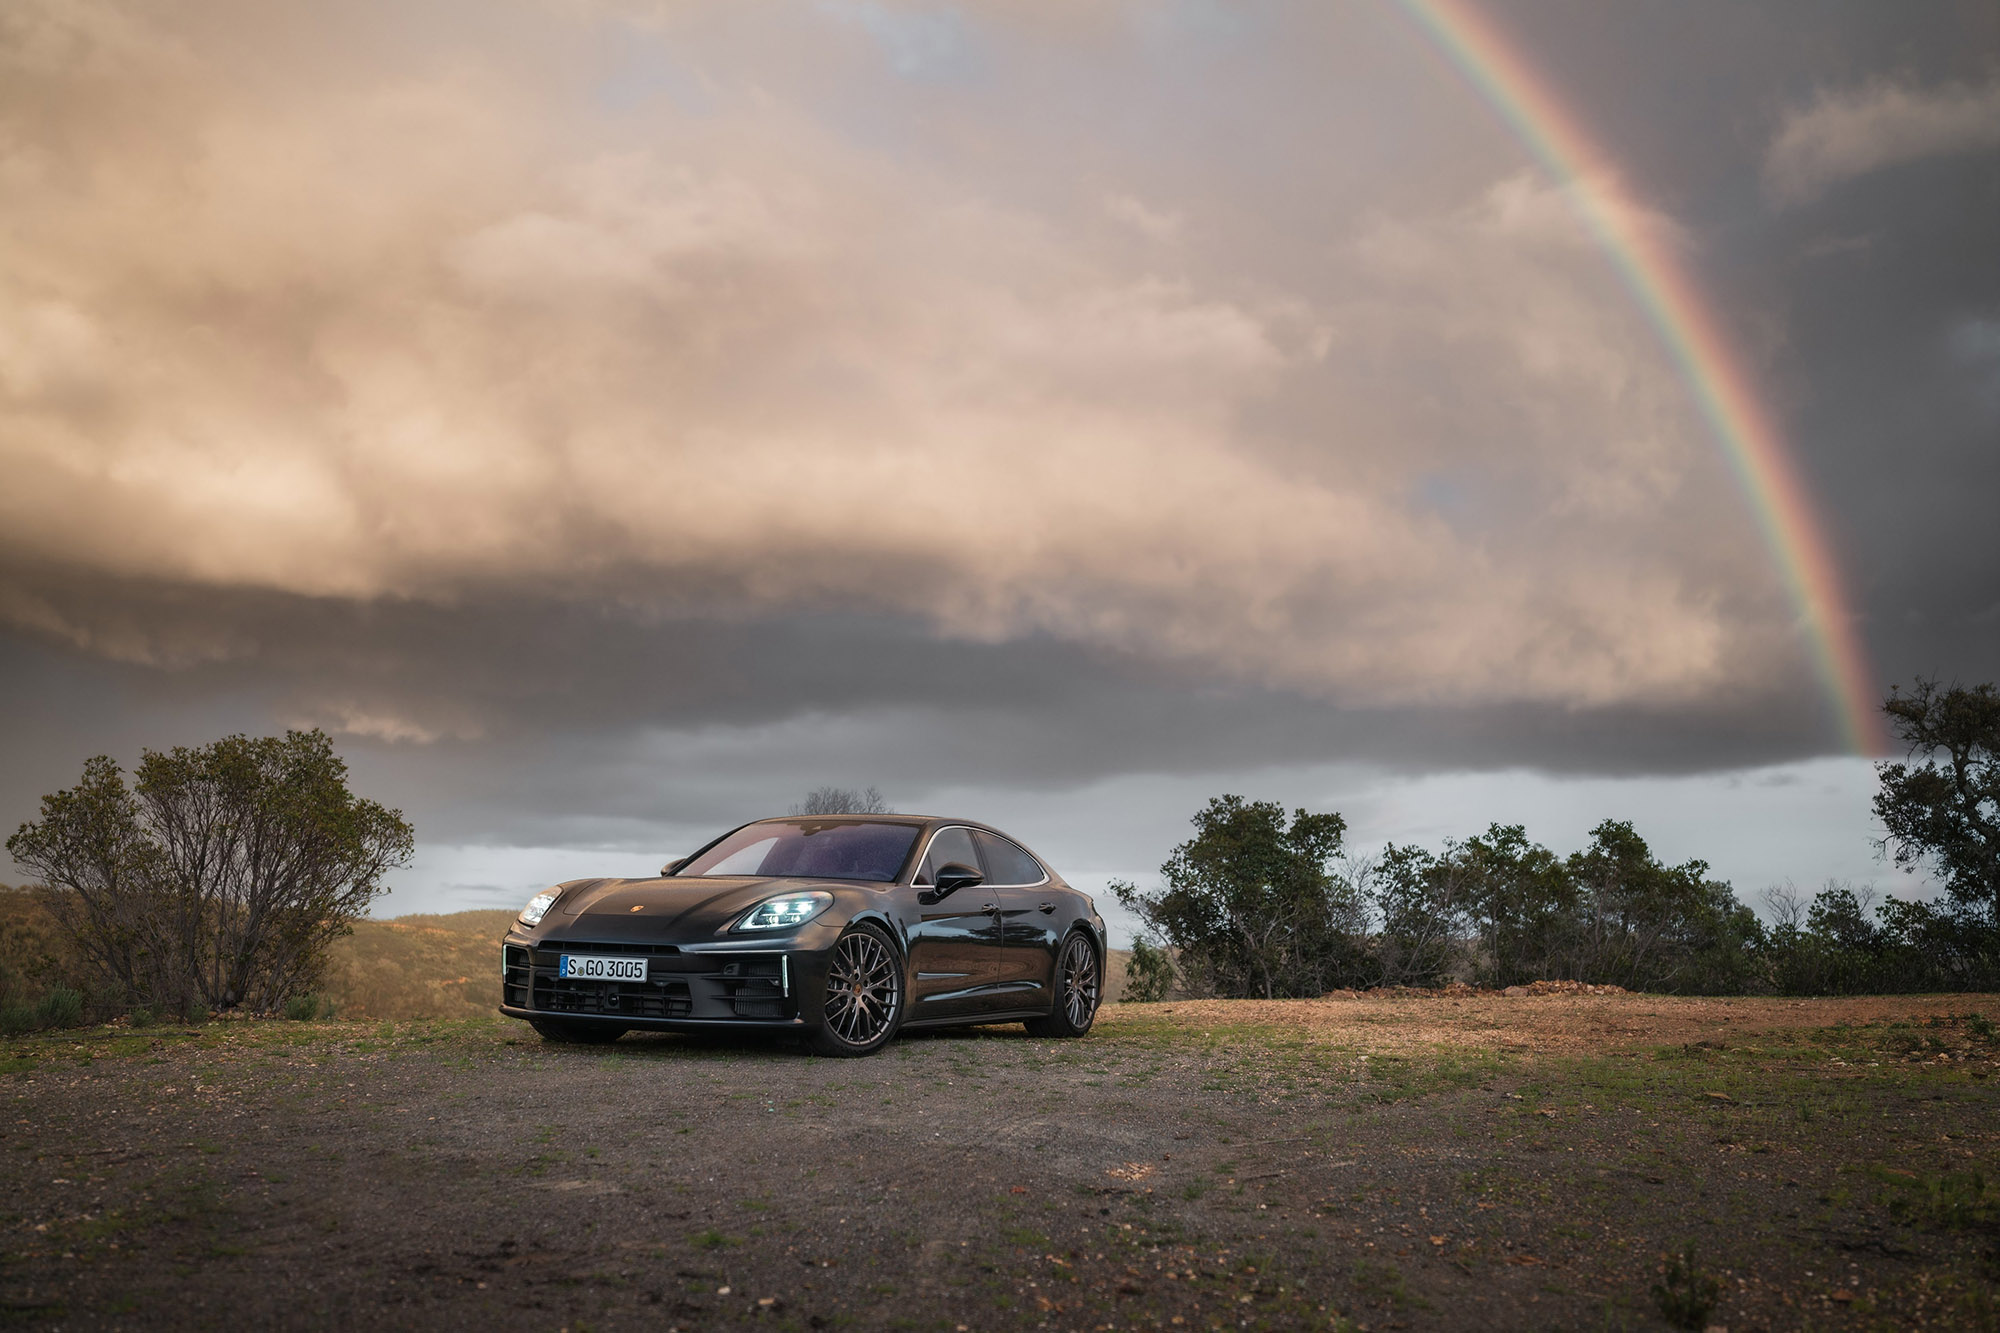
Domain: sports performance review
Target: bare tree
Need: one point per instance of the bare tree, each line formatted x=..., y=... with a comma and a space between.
x=1786, y=905
x=221, y=876
x=842, y=801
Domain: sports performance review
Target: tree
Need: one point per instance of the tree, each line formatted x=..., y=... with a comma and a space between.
x=221, y=876
x=1522, y=902
x=1422, y=901
x=842, y=801
x=1646, y=925
x=1253, y=907
x=1943, y=814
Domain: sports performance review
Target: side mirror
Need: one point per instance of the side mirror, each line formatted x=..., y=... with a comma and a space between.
x=951, y=877
x=671, y=866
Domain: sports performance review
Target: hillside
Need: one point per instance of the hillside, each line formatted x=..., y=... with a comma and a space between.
x=449, y=967
x=421, y=966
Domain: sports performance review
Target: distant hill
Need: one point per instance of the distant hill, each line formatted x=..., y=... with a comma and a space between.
x=442, y=966
x=449, y=967
x=419, y=966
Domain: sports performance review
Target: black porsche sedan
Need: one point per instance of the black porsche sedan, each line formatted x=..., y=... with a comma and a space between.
x=845, y=929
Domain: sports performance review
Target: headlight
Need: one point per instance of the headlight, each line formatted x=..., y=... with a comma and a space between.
x=794, y=909
x=538, y=907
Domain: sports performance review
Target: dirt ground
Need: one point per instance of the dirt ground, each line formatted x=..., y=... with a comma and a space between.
x=1369, y=1163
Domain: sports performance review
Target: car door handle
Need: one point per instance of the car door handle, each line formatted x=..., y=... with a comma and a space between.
x=1048, y=906
x=989, y=907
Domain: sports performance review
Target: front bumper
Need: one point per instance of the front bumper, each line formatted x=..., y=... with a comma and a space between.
x=699, y=986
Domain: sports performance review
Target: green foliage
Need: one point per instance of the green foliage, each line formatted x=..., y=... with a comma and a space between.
x=1507, y=911
x=1688, y=1294
x=1834, y=945
x=60, y=1007
x=1252, y=906
x=303, y=1008
x=1149, y=973
x=1426, y=918
x=220, y=877
x=1943, y=814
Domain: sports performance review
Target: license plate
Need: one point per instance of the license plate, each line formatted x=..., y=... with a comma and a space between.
x=584, y=967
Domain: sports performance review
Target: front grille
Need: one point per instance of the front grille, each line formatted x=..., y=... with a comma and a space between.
x=678, y=986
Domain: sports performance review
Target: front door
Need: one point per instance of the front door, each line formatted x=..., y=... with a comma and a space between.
x=955, y=945
x=1020, y=886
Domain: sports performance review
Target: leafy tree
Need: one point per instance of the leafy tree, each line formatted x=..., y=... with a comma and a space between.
x=220, y=877
x=1943, y=814
x=1423, y=903
x=1511, y=911
x=1649, y=926
x=1252, y=906
x=842, y=801
x=1522, y=902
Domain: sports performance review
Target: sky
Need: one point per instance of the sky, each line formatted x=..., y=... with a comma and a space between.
x=611, y=420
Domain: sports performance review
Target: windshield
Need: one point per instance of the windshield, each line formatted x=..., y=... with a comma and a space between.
x=809, y=849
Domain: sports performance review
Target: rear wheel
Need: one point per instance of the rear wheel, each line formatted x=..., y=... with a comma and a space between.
x=864, y=995
x=1079, y=985
x=577, y=1034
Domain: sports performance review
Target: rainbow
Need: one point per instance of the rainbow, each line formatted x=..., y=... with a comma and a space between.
x=1674, y=304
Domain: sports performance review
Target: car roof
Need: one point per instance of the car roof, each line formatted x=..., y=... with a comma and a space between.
x=895, y=817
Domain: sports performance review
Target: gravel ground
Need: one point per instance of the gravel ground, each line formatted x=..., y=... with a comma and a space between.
x=1381, y=1162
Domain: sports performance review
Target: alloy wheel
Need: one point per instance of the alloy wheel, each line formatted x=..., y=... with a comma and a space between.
x=863, y=985
x=1079, y=982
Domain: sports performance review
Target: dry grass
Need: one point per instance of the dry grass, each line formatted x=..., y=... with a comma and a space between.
x=1548, y=1024
x=419, y=967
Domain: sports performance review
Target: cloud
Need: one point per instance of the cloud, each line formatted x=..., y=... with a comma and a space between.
x=422, y=331
x=1846, y=134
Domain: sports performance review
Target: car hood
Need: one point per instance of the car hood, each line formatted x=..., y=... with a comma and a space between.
x=693, y=908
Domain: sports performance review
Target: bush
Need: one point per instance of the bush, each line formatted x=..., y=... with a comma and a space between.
x=1688, y=1294
x=220, y=877
x=304, y=1008
x=1253, y=906
x=1149, y=973
x=61, y=1007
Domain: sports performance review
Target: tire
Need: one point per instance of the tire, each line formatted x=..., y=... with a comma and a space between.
x=1079, y=988
x=575, y=1034
x=865, y=995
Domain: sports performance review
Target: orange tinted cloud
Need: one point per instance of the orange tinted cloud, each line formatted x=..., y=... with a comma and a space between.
x=358, y=308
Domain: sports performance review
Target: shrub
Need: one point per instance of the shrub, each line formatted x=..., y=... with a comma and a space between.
x=1688, y=1294
x=303, y=1008
x=1149, y=973
x=59, y=1007
x=1253, y=906
x=220, y=877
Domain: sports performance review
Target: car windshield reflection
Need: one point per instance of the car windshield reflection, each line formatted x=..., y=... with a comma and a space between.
x=809, y=849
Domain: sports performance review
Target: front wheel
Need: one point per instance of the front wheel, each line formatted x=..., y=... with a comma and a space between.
x=578, y=1034
x=1078, y=988
x=864, y=995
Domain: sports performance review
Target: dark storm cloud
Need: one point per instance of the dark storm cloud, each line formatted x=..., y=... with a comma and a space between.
x=1840, y=171
x=542, y=721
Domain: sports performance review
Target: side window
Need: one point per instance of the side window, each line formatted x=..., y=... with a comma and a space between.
x=952, y=844
x=1006, y=863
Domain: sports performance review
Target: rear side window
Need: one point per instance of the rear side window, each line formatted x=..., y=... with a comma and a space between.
x=1006, y=863
x=951, y=844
